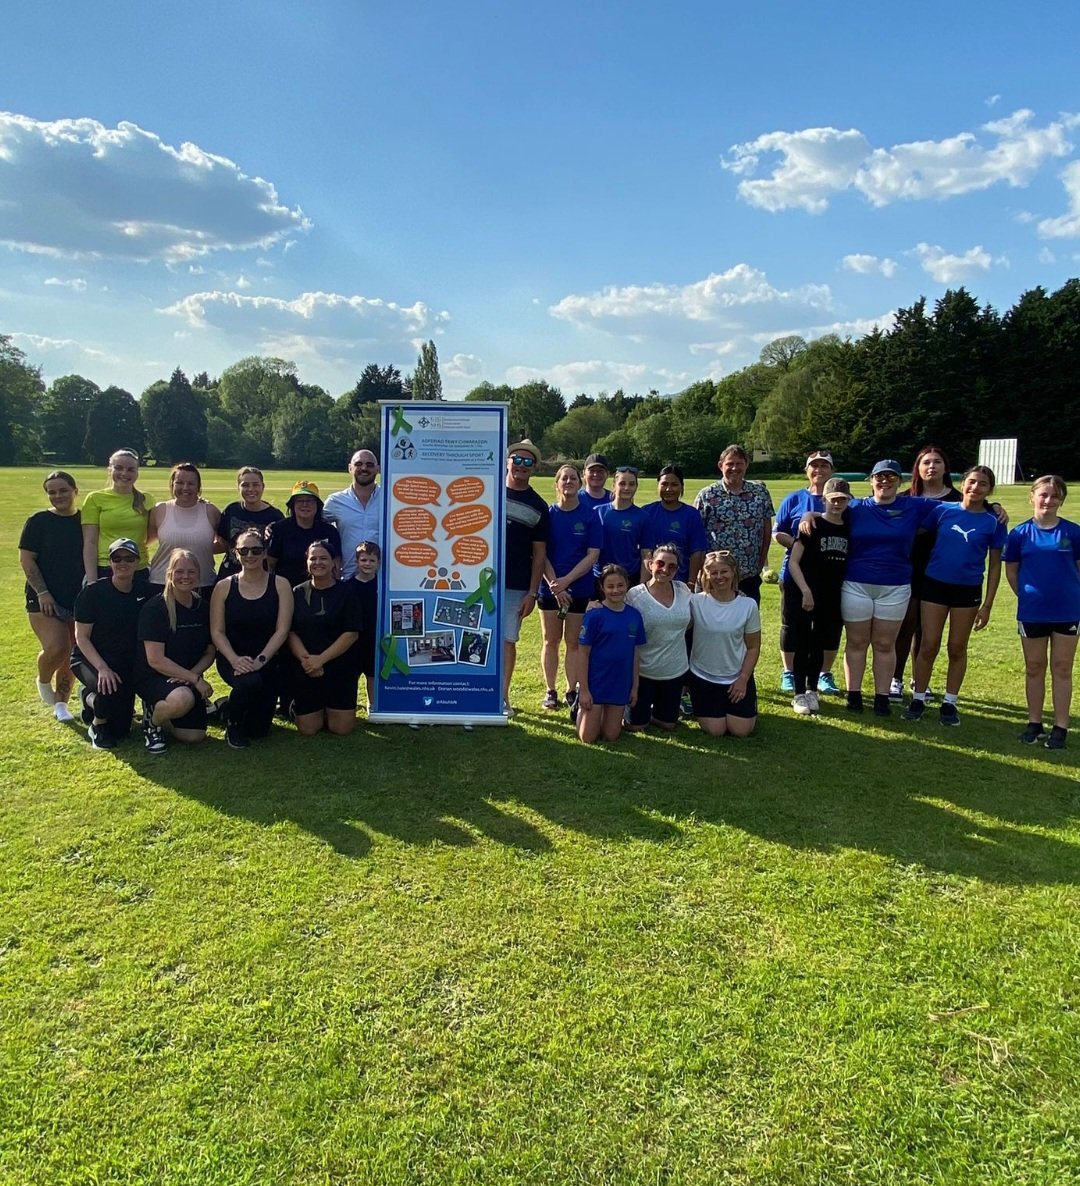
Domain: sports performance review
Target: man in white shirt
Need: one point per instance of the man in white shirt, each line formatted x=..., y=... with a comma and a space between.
x=356, y=511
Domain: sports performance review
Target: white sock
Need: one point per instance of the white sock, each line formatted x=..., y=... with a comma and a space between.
x=45, y=691
x=62, y=712
x=952, y=697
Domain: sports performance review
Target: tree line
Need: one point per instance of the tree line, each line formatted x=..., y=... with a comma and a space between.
x=953, y=373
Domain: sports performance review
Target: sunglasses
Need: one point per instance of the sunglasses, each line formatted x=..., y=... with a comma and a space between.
x=255, y=550
x=626, y=469
x=527, y=461
x=123, y=558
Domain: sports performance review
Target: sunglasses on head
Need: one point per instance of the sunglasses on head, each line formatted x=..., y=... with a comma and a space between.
x=626, y=469
x=253, y=550
x=523, y=459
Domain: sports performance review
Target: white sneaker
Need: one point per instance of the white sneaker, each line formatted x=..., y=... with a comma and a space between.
x=896, y=690
x=801, y=705
x=813, y=701
x=62, y=712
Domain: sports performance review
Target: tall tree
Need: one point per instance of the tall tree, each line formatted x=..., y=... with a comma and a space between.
x=426, y=382
x=303, y=431
x=64, y=409
x=20, y=391
x=175, y=420
x=534, y=408
x=113, y=422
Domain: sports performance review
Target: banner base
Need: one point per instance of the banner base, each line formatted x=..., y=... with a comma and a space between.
x=408, y=718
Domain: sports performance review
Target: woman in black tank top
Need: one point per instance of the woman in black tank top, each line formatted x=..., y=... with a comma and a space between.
x=250, y=614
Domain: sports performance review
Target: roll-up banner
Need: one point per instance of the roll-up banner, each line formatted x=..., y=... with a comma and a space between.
x=439, y=659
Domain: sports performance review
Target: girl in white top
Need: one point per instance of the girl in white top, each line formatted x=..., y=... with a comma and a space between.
x=664, y=604
x=185, y=523
x=725, y=650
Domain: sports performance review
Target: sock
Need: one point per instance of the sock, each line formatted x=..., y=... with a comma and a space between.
x=45, y=691
x=919, y=696
x=952, y=697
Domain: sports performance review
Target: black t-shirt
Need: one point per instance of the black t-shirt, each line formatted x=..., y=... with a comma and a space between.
x=289, y=543
x=527, y=522
x=235, y=519
x=57, y=542
x=924, y=541
x=824, y=558
x=115, y=620
x=321, y=619
x=185, y=645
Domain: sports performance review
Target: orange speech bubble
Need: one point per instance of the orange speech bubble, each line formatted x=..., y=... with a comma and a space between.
x=465, y=520
x=415, y=555
x=466, y=489
x=470, y=549
x=417, y=491
x=414, y=523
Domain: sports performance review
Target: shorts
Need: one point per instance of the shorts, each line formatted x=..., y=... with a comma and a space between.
x=953, y=596
x=155, y=688
x=711, y=699
x=511, y=621
x=60, y=612
x=1045, y=629
x=861, y=603
x=550, y=602
x=657, y=699
x=335, y=690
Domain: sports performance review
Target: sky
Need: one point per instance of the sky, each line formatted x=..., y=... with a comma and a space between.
x=597, y=194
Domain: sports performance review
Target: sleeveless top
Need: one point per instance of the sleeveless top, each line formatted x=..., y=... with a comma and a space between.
x=188, y=528
x=250, y=622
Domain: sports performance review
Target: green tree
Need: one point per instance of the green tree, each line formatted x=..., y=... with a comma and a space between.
x=63, y=414
x=113, y=422
x=303, y=431
x=20, y=390
x=488, y=393
x=426, y=382
x=577, y=432
x=250, y=390
x=175, y=420
x=534, y=408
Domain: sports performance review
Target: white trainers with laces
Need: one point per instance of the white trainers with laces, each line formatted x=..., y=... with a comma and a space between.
x=801, y=705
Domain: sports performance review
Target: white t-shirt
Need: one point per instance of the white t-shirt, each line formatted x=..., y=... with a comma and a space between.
x=664, y=655
x=720, y=629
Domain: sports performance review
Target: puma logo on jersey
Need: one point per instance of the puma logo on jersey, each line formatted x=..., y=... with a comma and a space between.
x=965, y=534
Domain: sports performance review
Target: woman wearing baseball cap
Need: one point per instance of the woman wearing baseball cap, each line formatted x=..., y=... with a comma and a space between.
x=288, y=540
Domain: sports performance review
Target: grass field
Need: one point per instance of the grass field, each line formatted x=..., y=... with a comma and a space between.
x=843, y=951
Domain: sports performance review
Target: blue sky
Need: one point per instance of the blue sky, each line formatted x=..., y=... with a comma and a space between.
x=597, y=194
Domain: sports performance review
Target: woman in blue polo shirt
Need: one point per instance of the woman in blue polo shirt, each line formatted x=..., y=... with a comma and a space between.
x=1042, y=566
x=626, y=532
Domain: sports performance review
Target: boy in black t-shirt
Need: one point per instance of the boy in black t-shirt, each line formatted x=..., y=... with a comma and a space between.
x=366, y=585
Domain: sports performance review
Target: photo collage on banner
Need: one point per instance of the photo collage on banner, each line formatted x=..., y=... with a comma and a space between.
x=439, y=657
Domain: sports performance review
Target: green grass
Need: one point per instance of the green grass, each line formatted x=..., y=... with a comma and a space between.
x=838, y=952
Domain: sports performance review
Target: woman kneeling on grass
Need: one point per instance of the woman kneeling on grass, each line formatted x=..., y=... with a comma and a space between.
x=174, y=652
x=664, y=605
x=1042, y=565
x=725, y=650
x=611, y=635
x=951, y=588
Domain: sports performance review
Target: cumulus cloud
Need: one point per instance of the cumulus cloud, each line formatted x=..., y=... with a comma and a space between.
x=59, y=349
x=868, y=265
x=1067, y=226
x=76, y=283
x=74, y=188
x=948, y=269
x=596, y=375
x=461, y=366
x=809, y=166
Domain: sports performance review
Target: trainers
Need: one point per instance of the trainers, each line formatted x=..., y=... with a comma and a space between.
x=1033, y=732
x=826, y=685
x=914, y=711
x=800, y=705
x=1056, y=740
x=787, y=682
x=896, y=691
x=854, y=702
x=100, y=739
x=686, y=707
x=813, y=701
x=551, y=700
x=87, y=709
x=574, y=712
x=570, y=697
x=154, y=737
x=235, y=738
x=881, y=705
x=948, y=714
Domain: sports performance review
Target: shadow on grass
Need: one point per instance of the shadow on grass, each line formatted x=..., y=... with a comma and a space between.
x=909, y=793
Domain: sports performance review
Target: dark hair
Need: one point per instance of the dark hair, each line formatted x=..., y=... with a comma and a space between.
x=736, y=451
x=612, y=570
x=986, y=471
x=916, y=487
x=675, y=471
x=368, y=547
x=185, y=467
x=250, y=469
x=63, y=475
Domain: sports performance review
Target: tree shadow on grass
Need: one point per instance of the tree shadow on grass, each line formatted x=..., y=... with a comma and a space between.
x=908, y=793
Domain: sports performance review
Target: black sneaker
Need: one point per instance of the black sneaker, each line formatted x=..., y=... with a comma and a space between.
x=914, y=711
x=1056, y=740
x=574, y=712
x=1033, y=732
x=235, y=738
x=87, y=711
x=551, y=700
x=153, y=737
x=881, y=705
x=948, y=714
x=854, y=702
x=99, y=739
x=570, y=697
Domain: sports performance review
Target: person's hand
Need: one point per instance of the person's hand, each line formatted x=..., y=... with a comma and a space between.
x=528, y=604
x=245, y=665
x=633, y=697
x=808, y=602
x=555, y=585
x=585, y=700
x=982, y=617
x=1000, y=513
x=311, y=664
x=202, y=686
x=47, y=604
x=108, y=681
x=737, y=690
x=806, y=523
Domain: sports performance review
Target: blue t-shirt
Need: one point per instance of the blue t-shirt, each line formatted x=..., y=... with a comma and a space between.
x=591, y=502
x=572, y=534
x=612, y=636
x=1048, y=584
x=963, y=539
x=625, y=533
x=881, y=539
x=792, y=509
x=683, y=527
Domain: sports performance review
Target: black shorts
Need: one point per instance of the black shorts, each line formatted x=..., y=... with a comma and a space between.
x=548, y=600
x=1045, y=629
x=335, y=690
x=60, y=612
x=657, y=699
x=713, y=700
x=953, y=596
x=155, y=688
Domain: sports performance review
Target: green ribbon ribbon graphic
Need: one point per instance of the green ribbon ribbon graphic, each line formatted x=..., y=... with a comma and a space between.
x=483, y=592
x=392, y=661
x=400, y=423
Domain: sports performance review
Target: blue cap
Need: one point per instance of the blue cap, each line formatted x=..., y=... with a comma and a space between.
x=887, y=466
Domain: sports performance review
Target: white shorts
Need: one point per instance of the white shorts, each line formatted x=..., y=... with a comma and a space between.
x=861, y=603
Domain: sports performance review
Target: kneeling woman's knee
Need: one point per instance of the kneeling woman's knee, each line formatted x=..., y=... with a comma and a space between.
x=741, y=726
x=180, y=701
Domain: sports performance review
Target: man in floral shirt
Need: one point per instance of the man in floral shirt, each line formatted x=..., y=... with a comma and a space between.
x=737, y=516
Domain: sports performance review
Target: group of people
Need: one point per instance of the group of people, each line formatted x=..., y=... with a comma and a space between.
x=655, y=608
x=288, y=617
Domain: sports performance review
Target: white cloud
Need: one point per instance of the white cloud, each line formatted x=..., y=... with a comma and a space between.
x=243, y=282
x=816, y=163
x=73, y=188
x=948, y=269
x=461, y=366
x=1046, y=256
x=992, y=100
x=1067, y=226
x=76, y=283
x=62, y=354
x=594, y=375
x=867, y=265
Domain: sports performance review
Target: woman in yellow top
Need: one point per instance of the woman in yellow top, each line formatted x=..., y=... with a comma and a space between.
x=120, y=511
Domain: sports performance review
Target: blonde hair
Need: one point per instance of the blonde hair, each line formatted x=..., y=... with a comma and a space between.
x=1056, y=483
x=721, y=557
x=138, y=499
x=170, y=593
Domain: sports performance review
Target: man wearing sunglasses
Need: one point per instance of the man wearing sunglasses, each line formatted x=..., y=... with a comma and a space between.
x=356, y=511
x=526, y=548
